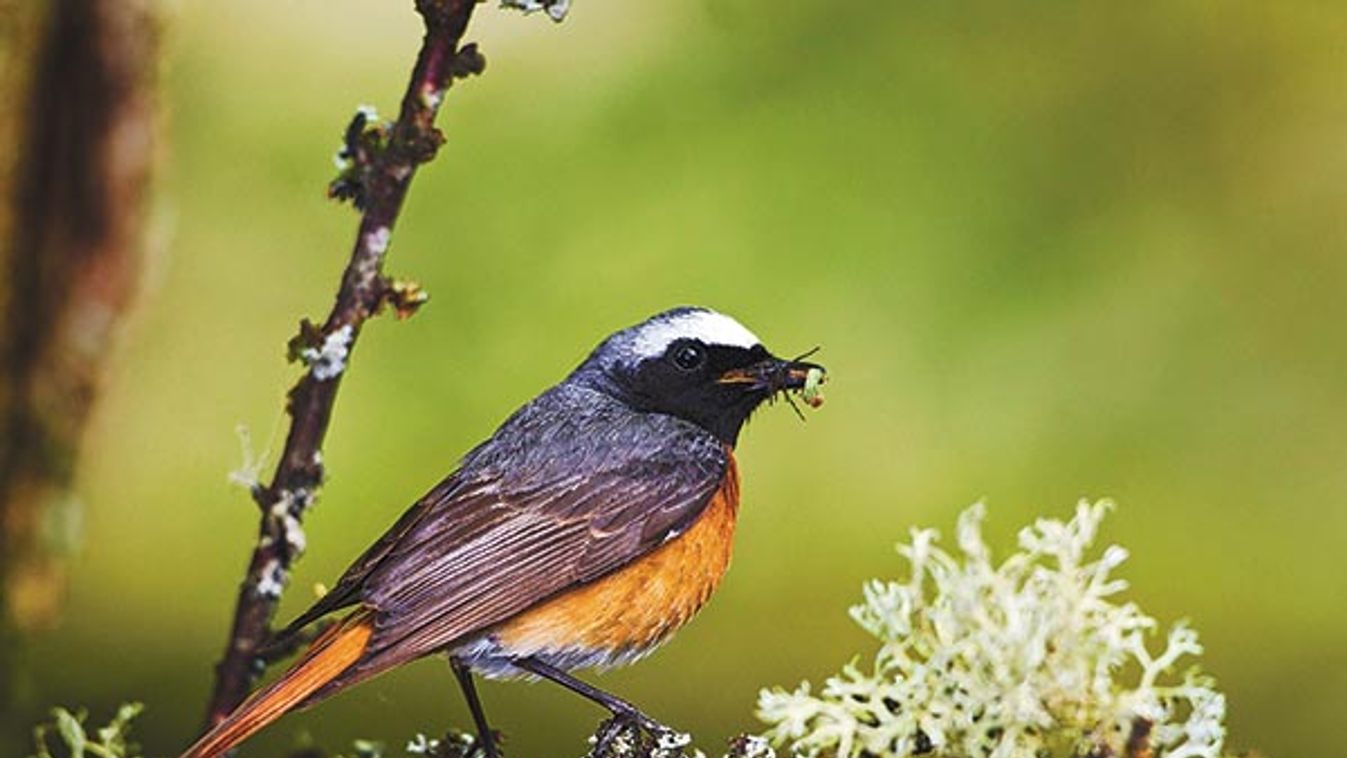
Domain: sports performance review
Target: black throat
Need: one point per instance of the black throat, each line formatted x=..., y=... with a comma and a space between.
x=657, y=385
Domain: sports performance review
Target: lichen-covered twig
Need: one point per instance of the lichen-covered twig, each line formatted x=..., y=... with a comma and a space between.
x=382, y=161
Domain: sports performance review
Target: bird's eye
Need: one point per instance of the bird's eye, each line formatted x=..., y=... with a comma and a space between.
x=689, y=356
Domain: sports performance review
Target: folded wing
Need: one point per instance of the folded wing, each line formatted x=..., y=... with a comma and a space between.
x=530, y=514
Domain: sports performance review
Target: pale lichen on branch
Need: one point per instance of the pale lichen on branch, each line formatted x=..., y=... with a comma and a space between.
x=328, y=360
x=555, y=9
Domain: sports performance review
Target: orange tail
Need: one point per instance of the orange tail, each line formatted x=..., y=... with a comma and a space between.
x=332, y=653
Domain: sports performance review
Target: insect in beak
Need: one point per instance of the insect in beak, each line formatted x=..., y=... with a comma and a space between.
x=784, y=378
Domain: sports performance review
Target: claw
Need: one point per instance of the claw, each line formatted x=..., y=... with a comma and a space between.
x=632, y=733
x=618, y=737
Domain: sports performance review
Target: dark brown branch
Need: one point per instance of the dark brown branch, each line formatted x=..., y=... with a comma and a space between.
x=383, y=169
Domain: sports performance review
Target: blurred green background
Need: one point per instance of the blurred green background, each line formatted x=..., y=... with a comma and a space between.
x=1050, y=251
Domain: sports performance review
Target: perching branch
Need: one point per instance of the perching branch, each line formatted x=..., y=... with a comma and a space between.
x=382, y=161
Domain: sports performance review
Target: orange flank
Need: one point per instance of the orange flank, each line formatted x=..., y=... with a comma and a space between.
x=636, y=607
x=332, y=653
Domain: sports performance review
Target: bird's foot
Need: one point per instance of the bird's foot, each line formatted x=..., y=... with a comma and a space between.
x=488, y=748
x=632, y=734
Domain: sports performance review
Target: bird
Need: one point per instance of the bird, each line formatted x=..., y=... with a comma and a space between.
x=593, y=524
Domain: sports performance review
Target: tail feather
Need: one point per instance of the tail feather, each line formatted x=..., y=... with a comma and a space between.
x=331, y=654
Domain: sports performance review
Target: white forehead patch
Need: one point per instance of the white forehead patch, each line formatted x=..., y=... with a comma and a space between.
x=654, y=337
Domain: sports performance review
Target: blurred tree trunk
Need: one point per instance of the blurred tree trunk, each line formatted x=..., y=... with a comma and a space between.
x=76, y=146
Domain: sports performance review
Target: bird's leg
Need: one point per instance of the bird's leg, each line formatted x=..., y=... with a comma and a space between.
x=619, y=707
x=484, y=734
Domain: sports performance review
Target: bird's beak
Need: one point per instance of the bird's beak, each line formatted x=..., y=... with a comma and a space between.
x=774, y=375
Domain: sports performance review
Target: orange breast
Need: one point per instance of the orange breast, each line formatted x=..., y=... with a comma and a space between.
x=629, y=611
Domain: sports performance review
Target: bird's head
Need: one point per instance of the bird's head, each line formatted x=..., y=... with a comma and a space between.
x=696, y=364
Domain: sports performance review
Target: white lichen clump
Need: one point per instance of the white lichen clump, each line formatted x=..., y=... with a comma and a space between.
x=752, y=746
x=556, y=9
x=272, y=580
x=1030, y=658
x=377, y=240
x=328, y=360
x=422, y=745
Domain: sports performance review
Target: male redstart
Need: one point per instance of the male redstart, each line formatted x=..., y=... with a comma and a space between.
x=595, y=522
